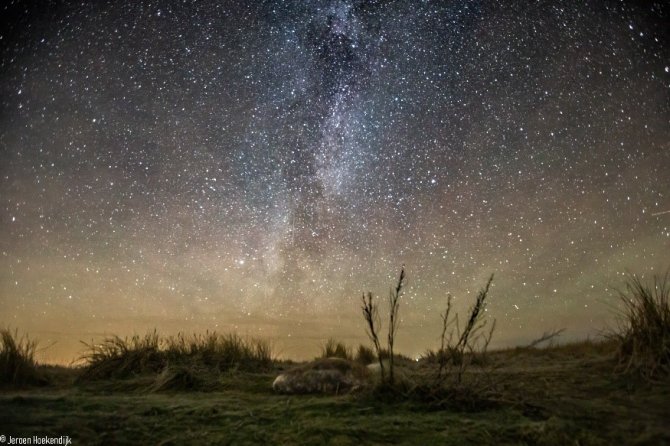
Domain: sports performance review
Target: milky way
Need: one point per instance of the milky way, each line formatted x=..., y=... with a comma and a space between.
x=256, y=166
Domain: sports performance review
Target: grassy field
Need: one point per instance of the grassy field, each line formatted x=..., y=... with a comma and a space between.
x=217, y=388
x=555, y=396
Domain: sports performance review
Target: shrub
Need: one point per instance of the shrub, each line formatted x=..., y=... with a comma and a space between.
x=17, y=360
x=643, y=334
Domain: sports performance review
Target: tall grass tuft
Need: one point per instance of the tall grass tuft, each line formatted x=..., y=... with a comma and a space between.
x=17, y=360
x=117, y=357
x=334, y=349
x=220, y=351
x=365, y=355
x=643, y=335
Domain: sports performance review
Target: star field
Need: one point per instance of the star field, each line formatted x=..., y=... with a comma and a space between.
x=256, y=166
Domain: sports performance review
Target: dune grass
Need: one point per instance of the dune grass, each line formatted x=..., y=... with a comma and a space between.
x=335, y=349
x=168, y=390
x=643, y=333
x=365, y=355
x=18, y=367
x=117, y=357
x=551, y=396
x=549, y=401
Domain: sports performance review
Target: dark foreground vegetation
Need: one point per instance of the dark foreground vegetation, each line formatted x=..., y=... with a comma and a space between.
x=216, y=389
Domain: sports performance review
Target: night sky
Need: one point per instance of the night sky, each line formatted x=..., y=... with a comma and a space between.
x=257, y=165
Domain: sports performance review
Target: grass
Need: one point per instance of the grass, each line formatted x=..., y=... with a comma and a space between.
x=17, y=360
x=217, y=389
x=643, y=334
x=365, y=355
x=556, y=396
x=334, y=349
x=117, y=357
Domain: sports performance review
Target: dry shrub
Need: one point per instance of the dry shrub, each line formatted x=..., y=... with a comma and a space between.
x=453, y=358
x=460, y=348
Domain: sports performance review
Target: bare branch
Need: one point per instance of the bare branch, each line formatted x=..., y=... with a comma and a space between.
x=546, y=336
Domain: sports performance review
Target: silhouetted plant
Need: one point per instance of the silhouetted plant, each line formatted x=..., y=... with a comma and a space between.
x=17, y=360
x=471, y=340
x=547, y=337
x=441, y=355
x=117, y=357
x=334, y=349
x=394, y=303
x=643, y=334
x=371, y=315
x=365, y=355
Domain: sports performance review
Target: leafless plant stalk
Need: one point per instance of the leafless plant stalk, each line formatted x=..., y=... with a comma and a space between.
x=394, y=303
x=442, y=354
x=473, y=326
x=475, y=316
x=546, y=336
x=371, y=316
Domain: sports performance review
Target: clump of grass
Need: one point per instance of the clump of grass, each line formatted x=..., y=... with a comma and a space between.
x=117, y=357
x=17, y=360
x=221, y=352
x=334, y=349
x=365, y=355
x=643, y=335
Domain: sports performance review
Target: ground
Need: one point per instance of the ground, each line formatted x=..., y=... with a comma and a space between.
x=553, y=396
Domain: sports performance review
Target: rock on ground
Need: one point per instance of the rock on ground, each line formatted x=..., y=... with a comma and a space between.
x=325, y=375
